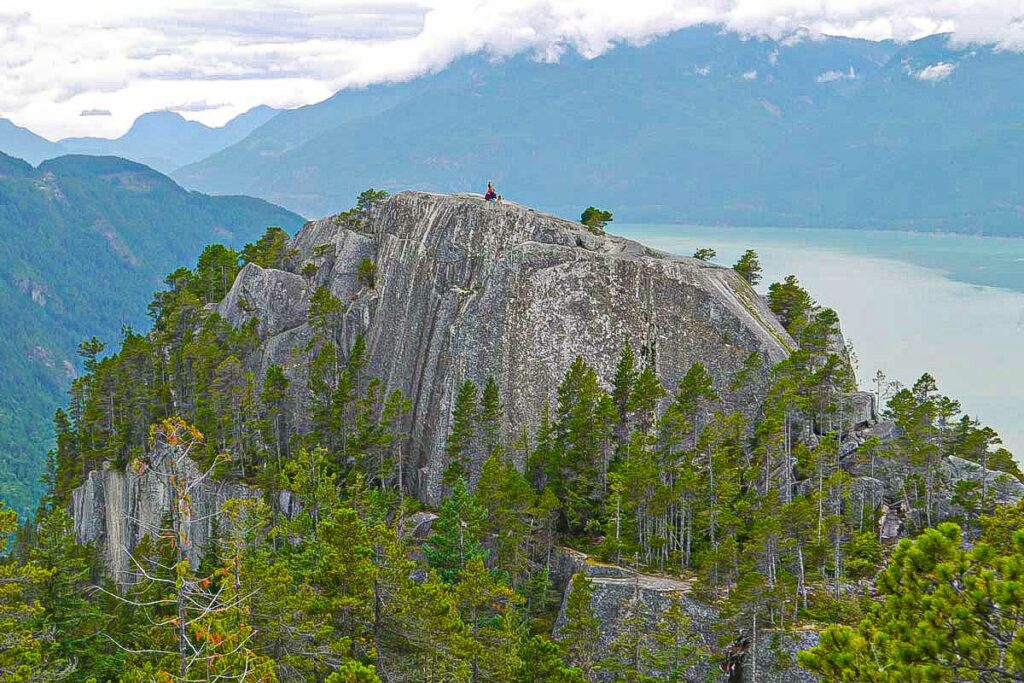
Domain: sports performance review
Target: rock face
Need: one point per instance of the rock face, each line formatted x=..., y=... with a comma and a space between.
x=466, y=289
x=114, y=510
x=773, y=658
x=279, y=300
x=620, y=593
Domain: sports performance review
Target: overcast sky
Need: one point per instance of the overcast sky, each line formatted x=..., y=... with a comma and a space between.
x=69, y=67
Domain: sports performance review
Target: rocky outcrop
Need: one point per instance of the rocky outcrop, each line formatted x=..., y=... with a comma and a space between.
x=279, y=300
x=620, y=595
x=1000, y=487
x=773, y=658
x=466, y=289
x=115, y=510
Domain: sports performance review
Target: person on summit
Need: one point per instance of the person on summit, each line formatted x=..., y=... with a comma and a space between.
x=490, y=195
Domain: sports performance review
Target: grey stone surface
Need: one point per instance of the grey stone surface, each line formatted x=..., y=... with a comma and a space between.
x=773, y=658
x=115, y=509
x=467, y=289
x=279, y=299
x=859, y=408
x=619, y=594
x=418, y=526
x=1002, y=488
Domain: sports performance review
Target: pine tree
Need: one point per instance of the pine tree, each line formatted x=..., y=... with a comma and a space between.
x=352, y=671
x=946, y=613
x=582, y=441
x=541, y=662
x=790, y=303
x=749, y=267
x=27, y=649
x=486, y=604
x=490, y=418
x=580, y=631
x=510, y=526
x=622, y=390
x=645, y=399
x=456, y=535
x=66, y=610
x=462, y=438
x=674, y=646
x=273, y=397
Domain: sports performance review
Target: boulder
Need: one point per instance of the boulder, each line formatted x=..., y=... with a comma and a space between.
x=278, y=299
x=859, y=409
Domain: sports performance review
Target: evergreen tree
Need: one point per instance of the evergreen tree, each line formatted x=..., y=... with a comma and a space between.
x=270, y=251
x=491, y=418
x=946, y=614
x=273, y=397
x=579, y=633
x=462, y=438
x=749, y=267
x=486, y=605
x=582, y=441
x=353, y=672
x=510, y=526
x=622, y=390
x=789, y=302
x=456, y=533
x=66, y=611
x=596, y=219
x=27, y=649
x=541, y=662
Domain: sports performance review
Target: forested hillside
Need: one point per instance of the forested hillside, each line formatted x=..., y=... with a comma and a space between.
x=86, y=240
x=288, y=545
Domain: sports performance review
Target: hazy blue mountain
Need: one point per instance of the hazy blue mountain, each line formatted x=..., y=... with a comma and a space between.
x=165, y=140
x=86, y=240
x=24, y=144
x=699, y=126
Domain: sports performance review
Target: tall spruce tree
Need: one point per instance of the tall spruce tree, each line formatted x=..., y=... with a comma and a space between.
x=462, y=437
x=456, y=533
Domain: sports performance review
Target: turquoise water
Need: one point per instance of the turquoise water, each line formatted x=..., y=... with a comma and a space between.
x=951, y=305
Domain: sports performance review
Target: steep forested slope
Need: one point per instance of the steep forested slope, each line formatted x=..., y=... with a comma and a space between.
x=85, y=240
x=267, y=450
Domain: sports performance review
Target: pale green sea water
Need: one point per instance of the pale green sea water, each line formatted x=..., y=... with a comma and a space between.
x=951, y=305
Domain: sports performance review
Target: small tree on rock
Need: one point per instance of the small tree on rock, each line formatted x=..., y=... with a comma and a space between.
x=596, y=219
x=749, y=267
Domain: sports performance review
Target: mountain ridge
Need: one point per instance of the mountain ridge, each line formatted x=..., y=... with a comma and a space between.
x=86, y=241
x=700, y=127
x=163, y=140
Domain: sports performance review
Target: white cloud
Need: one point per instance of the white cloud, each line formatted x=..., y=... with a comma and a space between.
x=197, y=106
x=60, y=57
x=935, y=72
x=94, y=112
x=835, y=75
x=702, y=70
x=750, y=75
